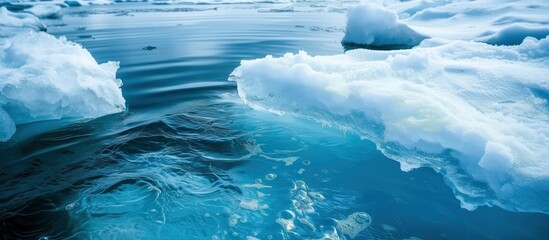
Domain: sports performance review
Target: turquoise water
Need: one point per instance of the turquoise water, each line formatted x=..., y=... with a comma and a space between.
x=189, y=161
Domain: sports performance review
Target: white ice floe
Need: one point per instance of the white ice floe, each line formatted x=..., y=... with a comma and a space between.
x=375, y=26
x=493, y=21
x=505, y=22
x=45, y=10
x=43, y=77
x=11, y=23
x=474, y=112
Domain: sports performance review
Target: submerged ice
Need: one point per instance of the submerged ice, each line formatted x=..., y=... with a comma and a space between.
x=484, y=106
x=44, y=77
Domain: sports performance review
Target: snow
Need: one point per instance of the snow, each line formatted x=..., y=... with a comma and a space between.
x=374, y=26
x=397, y=25
x=45, y=11
x=469, y=110
x=496, y=22
x=35, y=88
x=11, y=22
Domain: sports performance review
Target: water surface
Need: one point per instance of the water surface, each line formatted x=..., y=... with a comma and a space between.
x=189, y=161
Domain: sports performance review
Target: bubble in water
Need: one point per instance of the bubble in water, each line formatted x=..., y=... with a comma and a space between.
x=233, y=220
x=306, y=162
x=206, y=215
x=69, y=207
x=325, y=171
x=270, y=177
x=387, y=227
x=269, y=237
x=286, y=220
x=253, y=205
x=300, y=185
x=354, y=224
x=329, y=234
x=300, y=171
x=307, y=223
x=215, y=237
x=258, y=181
x=286, y=214
x=316, y=196
x=256, y=186
x=250, y=205
x=260, y=194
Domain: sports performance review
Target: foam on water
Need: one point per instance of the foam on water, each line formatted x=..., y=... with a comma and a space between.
x=444, y=104
x=354, y=224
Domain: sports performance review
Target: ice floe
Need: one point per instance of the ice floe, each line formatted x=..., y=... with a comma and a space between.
x=373, y=26
x=44, y=77
x=12, y=23
x=475, y=112
x=45, y=10
x=496, y=22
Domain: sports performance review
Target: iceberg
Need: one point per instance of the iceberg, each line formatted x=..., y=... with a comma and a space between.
x=43, y=77
x=474, y=112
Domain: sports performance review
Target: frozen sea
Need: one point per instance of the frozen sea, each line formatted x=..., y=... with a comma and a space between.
x=188, y=160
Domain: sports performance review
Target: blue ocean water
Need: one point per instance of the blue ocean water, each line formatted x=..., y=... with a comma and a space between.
x=189, y=161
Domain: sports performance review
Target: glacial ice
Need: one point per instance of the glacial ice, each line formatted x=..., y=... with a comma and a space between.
x=474, y=112
x=44, y=77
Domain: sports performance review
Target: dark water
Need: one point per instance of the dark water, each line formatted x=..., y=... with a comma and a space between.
x=190, y=161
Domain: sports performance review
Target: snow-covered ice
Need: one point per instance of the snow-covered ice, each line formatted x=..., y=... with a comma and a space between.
x=482, y=105
x=11, y=23
x=373, y=26
x=45, y=10
x=493, y=21
x=44, y=77
x=470, y=101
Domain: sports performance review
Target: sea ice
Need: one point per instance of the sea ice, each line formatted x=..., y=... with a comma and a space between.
x=44, y=77
x=482, y=105
x=45, y=10
x=374, y=26
x=492, y=21
x=12, y=23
